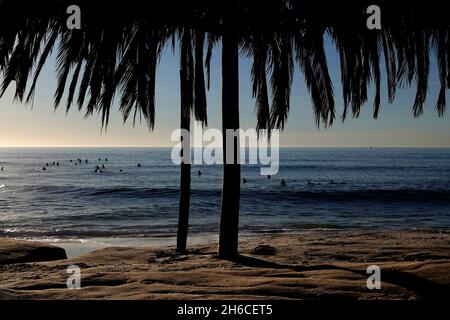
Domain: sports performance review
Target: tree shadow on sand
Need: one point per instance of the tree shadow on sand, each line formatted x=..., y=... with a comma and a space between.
x=424, y=288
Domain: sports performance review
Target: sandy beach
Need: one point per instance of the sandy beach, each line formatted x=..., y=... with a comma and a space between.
x=310, y=265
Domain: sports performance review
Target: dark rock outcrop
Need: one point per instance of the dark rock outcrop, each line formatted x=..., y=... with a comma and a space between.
x=20, y=251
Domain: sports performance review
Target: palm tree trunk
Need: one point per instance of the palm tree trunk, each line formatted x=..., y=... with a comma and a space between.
x=185, y=184
x=231, y=183
x=185, y=191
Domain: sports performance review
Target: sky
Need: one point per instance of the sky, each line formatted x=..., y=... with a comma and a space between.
x=40, y=125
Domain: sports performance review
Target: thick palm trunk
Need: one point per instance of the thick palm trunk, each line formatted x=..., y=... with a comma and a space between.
x=185, y=176
x=185, y=192
x=229, y=221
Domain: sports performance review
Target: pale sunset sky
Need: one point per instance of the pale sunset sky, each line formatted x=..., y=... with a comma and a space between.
x=41, y=126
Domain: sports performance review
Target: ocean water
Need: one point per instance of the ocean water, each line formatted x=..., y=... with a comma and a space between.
x=374, y=189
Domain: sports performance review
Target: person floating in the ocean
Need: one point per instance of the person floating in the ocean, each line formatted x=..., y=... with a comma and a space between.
x=268, y=176
x=99, y=159
x=46, y=164
x=71, y=160
x=44, y=168
x=2, y=168
x=199, y=173
x=57, y=164
x=283, y=183
x=54, y=163
x=121, y=170
x=139, y=165
x=106, y=159
x=103, y=166
x=332, y=182
x=86, y=161
x=244, y=181
x=310, y=183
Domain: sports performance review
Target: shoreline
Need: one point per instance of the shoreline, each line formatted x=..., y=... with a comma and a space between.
x=313, y=265
x=76, y=247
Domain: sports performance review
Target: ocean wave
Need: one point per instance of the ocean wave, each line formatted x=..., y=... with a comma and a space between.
x=401, y=195
x=326, y=166
x=154, y=232
x=103, y=231
x=278, y=194
x=135, y=233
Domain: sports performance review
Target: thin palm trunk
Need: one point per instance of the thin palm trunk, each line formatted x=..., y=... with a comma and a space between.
x=231, y=183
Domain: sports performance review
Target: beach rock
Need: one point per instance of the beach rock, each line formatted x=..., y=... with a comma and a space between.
x=264, y=250
x=19, y=251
